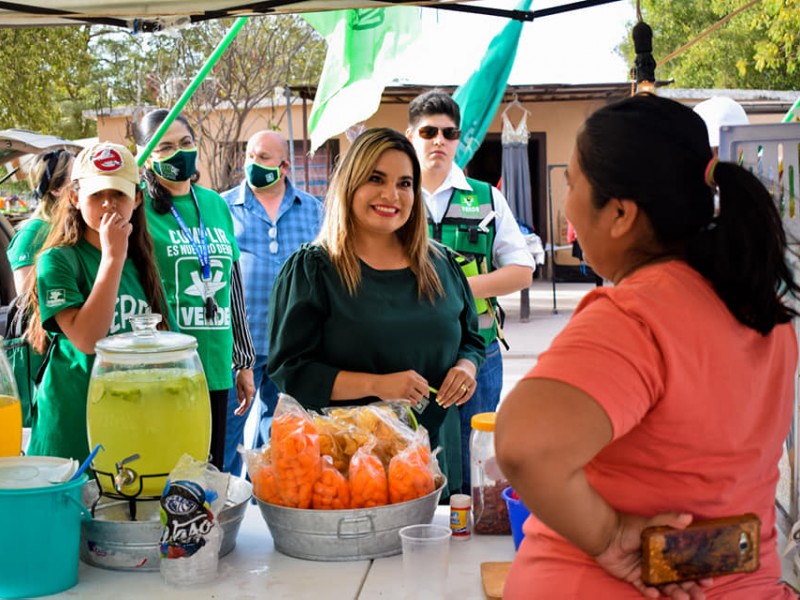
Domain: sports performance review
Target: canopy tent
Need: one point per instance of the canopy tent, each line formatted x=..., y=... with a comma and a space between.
x=151, y=15
x=18, y=142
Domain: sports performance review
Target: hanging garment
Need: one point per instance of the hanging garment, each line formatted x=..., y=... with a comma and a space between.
x=516, y=182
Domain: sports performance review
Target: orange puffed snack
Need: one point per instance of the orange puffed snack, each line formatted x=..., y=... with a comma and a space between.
x=263, y=475
x=368, y=486
x=410, y=474
x=331, y=491
x=295, y=454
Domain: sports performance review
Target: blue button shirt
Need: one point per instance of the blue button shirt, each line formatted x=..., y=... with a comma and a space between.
x=265, y=245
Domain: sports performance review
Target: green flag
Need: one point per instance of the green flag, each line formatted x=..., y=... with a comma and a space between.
x=363, y=48
x=793, y=114
x=480, y=96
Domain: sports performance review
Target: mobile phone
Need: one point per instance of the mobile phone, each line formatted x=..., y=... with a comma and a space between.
x=704, y=549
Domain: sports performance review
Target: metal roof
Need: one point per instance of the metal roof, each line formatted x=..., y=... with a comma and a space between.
x=18, y=142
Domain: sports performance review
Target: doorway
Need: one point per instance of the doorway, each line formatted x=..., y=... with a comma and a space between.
x=487, y=165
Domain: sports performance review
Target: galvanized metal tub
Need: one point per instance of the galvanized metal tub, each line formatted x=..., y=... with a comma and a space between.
x=112, y=541
x=339, y=535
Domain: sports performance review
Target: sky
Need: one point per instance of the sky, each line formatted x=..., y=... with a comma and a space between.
x=573, y=47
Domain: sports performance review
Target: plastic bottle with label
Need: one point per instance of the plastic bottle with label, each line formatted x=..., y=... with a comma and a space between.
x=489, y=509
x=461, y=516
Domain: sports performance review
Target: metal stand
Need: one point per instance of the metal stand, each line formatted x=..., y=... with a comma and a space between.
x=131, y=498
x=552, y=232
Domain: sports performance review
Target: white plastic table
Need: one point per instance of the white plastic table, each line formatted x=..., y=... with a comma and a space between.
x=256, y=570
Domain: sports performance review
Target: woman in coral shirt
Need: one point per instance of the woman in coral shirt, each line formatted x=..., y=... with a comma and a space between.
x=667, y=398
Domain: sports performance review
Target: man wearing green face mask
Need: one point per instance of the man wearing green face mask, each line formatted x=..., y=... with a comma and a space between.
x=271, y=219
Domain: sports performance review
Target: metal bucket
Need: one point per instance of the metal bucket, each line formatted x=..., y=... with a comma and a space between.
x=112, y=541
x=338, y=535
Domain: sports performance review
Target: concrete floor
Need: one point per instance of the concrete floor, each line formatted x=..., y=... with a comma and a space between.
x=529, y=339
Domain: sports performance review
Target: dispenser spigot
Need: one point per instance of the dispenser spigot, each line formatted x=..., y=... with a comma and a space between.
x=125, y=475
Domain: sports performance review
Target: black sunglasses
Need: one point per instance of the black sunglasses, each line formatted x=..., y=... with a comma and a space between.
x=428, y=132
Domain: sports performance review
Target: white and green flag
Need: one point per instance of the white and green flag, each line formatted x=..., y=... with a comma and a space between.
x=364, y=47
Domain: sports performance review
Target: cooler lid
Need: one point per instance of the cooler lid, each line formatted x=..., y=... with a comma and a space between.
x=21, y=472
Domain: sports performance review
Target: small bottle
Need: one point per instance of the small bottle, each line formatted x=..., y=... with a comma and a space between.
x=461, y=516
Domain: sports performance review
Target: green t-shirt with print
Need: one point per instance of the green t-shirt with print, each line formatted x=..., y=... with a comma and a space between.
x=65, y=276
x=183, y=284
x=27, y=242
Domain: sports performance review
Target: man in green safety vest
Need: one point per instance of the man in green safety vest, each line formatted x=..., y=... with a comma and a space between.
x=474, y=219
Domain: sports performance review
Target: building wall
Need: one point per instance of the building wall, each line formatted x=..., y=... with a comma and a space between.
x=559, y=121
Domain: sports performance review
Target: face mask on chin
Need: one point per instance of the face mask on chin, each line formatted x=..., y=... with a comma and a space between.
x=261, y=177
x=177, y=167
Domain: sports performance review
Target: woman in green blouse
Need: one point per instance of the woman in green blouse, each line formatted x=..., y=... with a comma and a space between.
x=373, y=309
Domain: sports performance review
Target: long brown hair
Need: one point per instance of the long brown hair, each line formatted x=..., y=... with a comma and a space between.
x=48, y=173
x=336, y=235
x=67, y=230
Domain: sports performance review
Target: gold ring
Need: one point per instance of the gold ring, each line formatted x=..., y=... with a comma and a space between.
x=464, y=388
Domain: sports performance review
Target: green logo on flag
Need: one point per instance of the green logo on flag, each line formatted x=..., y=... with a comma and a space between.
x=366, y=18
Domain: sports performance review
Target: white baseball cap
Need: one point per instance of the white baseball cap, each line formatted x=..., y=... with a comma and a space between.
x=717, y=112
x=106, y=166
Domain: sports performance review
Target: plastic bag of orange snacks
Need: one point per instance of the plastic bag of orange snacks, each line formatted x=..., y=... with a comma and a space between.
x=368, y=486
x=411, y=472
x=331, y=491
x=295, y=452
x=263, y=474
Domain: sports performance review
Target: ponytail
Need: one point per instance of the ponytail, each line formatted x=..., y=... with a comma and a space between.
x=743, y=252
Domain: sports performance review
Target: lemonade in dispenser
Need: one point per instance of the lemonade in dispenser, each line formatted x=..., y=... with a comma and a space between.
x=148, y=404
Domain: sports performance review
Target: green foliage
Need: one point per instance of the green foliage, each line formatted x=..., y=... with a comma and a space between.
x=757, y=49
x=44, y=71
x=52, y=76
x=268, y=54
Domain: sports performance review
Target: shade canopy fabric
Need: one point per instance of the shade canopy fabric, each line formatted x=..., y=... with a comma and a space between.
x=18, y=142
x=154, y=14
x=151, y=15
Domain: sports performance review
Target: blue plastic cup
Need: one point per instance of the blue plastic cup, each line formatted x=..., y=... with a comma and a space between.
x=517, y=514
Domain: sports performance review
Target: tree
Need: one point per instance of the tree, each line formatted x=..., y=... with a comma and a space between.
x=756, y=49
x=46, y=74
x=268, y=54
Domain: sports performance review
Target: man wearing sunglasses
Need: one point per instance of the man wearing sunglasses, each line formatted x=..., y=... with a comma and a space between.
x=474, y=219
x=271, y=219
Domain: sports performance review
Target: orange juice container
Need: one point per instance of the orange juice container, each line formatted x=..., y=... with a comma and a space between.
x=10, y=410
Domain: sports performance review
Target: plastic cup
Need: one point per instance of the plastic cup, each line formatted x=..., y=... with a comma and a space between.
x=426, y=551
x=517, y=515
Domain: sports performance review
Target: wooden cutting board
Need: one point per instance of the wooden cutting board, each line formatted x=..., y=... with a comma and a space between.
x=493, y=576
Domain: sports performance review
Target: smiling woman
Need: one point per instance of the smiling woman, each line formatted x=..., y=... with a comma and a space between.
x=373, y=310
x=381, y=206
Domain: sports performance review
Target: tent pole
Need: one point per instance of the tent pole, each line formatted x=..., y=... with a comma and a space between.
x=552, y=239
x=189, y=91
x=287, y=92
x=306, y=183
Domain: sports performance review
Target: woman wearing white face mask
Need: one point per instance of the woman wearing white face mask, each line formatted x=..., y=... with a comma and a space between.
x=198, y=258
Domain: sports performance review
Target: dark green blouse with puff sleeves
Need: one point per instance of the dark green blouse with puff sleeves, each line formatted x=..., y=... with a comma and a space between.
x=316, y=328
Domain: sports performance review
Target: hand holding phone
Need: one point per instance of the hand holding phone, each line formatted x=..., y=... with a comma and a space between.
x=701, y=550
